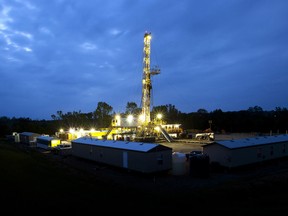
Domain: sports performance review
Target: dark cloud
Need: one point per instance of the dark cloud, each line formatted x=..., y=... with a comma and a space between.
x=69, y=55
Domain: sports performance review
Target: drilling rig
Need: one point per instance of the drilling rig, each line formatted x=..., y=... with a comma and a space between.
x=146, y=80
x=145, y=131
x=146, y=125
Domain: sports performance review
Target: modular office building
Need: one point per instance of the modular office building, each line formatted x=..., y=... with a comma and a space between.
x=137, y=156
x=47, y=142
x=28, y=138
x=235, y=153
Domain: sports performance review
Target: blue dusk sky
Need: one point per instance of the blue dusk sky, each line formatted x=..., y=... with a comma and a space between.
x=69, y=55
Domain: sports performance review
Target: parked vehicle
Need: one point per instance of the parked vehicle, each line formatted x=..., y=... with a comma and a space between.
x=204, y=136
x=63, y=149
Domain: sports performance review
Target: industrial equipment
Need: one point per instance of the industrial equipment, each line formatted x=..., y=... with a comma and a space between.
x=146, y=129
x=146, y=81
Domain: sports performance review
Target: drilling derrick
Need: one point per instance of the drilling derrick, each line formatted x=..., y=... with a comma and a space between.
x=146, y=81
x=144, y=130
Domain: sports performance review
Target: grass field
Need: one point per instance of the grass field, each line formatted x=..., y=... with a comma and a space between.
x=33, y=182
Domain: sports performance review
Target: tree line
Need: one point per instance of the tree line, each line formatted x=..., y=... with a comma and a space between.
x=254, y=119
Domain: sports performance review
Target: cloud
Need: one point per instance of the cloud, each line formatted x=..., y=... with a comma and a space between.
x=212, y=54
x=88, y=46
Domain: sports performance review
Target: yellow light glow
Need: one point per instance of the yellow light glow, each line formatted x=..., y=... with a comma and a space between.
x=141, y=117
x=159, y=116
x=117, y=117
x=130, y=119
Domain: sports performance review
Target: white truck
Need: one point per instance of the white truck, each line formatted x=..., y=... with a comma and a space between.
x=205, y=136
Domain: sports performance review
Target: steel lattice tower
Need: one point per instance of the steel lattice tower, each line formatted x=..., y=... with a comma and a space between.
x=146, y=80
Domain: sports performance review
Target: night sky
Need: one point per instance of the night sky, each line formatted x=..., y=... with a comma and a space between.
x=69, y=55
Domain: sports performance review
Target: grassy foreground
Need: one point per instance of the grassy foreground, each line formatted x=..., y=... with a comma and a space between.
x=31, y=183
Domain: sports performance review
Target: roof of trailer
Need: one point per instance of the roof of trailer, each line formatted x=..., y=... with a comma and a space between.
x=47, y=138
x=253, y=141
x=136, y=146
x=28, y=133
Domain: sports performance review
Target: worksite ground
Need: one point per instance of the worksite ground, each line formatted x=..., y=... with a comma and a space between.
x=89, y=186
